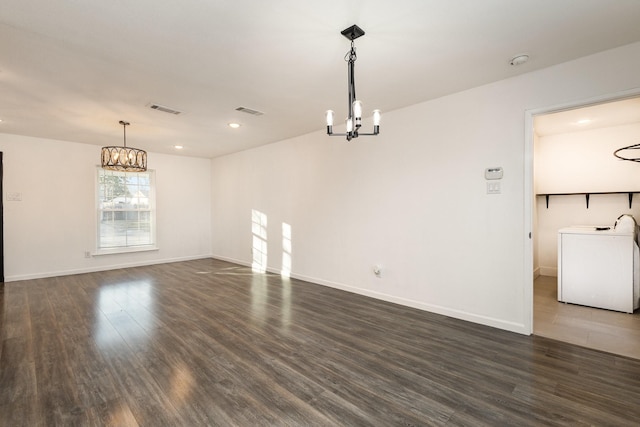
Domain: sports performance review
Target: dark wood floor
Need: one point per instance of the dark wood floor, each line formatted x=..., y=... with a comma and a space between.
x=209, y=343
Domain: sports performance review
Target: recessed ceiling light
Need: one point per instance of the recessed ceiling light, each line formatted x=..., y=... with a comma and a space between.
x=583, y=121
x=178, y=147
x=234, y=125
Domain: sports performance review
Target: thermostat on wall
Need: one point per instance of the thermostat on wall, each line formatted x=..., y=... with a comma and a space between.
x=493, y=173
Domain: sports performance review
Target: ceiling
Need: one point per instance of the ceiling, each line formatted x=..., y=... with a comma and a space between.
x=603, y=115
x=70, y=70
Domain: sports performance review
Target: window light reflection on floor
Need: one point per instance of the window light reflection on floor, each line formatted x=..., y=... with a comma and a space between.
x=124, y=314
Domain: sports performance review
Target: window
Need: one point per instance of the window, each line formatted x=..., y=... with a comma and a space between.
x=126, y=211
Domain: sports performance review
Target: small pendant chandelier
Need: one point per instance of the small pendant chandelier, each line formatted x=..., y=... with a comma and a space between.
x=354, y=121
x=124, y=158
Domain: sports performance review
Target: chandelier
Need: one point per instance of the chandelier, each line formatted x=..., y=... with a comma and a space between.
x=354, y=120
x=124, y=158
x=630, y=147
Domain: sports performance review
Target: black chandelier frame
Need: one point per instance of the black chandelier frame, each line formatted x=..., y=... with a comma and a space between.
x=630, y=147
x=123, y=158
x=354, y=120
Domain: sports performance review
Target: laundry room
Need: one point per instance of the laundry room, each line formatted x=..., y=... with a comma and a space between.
x=587, y=209
x=577, y=178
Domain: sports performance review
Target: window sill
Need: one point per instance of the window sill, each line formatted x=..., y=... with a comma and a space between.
x=128, y=250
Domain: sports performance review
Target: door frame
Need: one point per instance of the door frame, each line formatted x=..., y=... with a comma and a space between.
x=1, y=223
x=529, y=195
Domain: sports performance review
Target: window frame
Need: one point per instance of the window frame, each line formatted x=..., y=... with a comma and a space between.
x=127, y=248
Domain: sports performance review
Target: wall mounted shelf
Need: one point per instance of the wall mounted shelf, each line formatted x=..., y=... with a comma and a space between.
x=588, y=194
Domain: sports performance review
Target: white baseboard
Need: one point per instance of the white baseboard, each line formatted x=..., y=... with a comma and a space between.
x=446, y=311
x=43, y=275
x=432, y=308
x=232, y=260
x=549, y=271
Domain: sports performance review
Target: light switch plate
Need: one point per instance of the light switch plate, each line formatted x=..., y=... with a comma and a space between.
x=14, y=197
x=493, y=188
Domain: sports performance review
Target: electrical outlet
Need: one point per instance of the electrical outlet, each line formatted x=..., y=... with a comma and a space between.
x=87, y=254
x=377, y=270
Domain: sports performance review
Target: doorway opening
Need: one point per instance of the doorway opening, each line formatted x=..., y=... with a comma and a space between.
x=574, y=179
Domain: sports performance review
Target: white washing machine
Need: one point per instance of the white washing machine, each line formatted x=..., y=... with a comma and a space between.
x=599, y=267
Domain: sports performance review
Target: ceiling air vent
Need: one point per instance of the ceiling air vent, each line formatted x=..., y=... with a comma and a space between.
x=165, y=109
x=250, y=111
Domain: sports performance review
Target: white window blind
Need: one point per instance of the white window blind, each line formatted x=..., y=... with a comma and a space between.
x=126, y=210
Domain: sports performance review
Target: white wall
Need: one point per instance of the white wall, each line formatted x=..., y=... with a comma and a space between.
x=47, y=233
x=414, y=198
x=580, y=162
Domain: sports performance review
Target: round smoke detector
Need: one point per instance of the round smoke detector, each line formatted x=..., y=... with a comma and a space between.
x=519, y=59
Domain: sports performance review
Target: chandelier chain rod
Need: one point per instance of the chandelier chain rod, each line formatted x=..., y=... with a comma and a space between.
x=352, y=90
x=124, y=130
x=351, y=84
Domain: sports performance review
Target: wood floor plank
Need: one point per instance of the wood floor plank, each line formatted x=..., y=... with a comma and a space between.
x=206, y=342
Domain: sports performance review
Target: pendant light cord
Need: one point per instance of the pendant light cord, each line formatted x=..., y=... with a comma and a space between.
x=351, y=57
x=124, y=130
